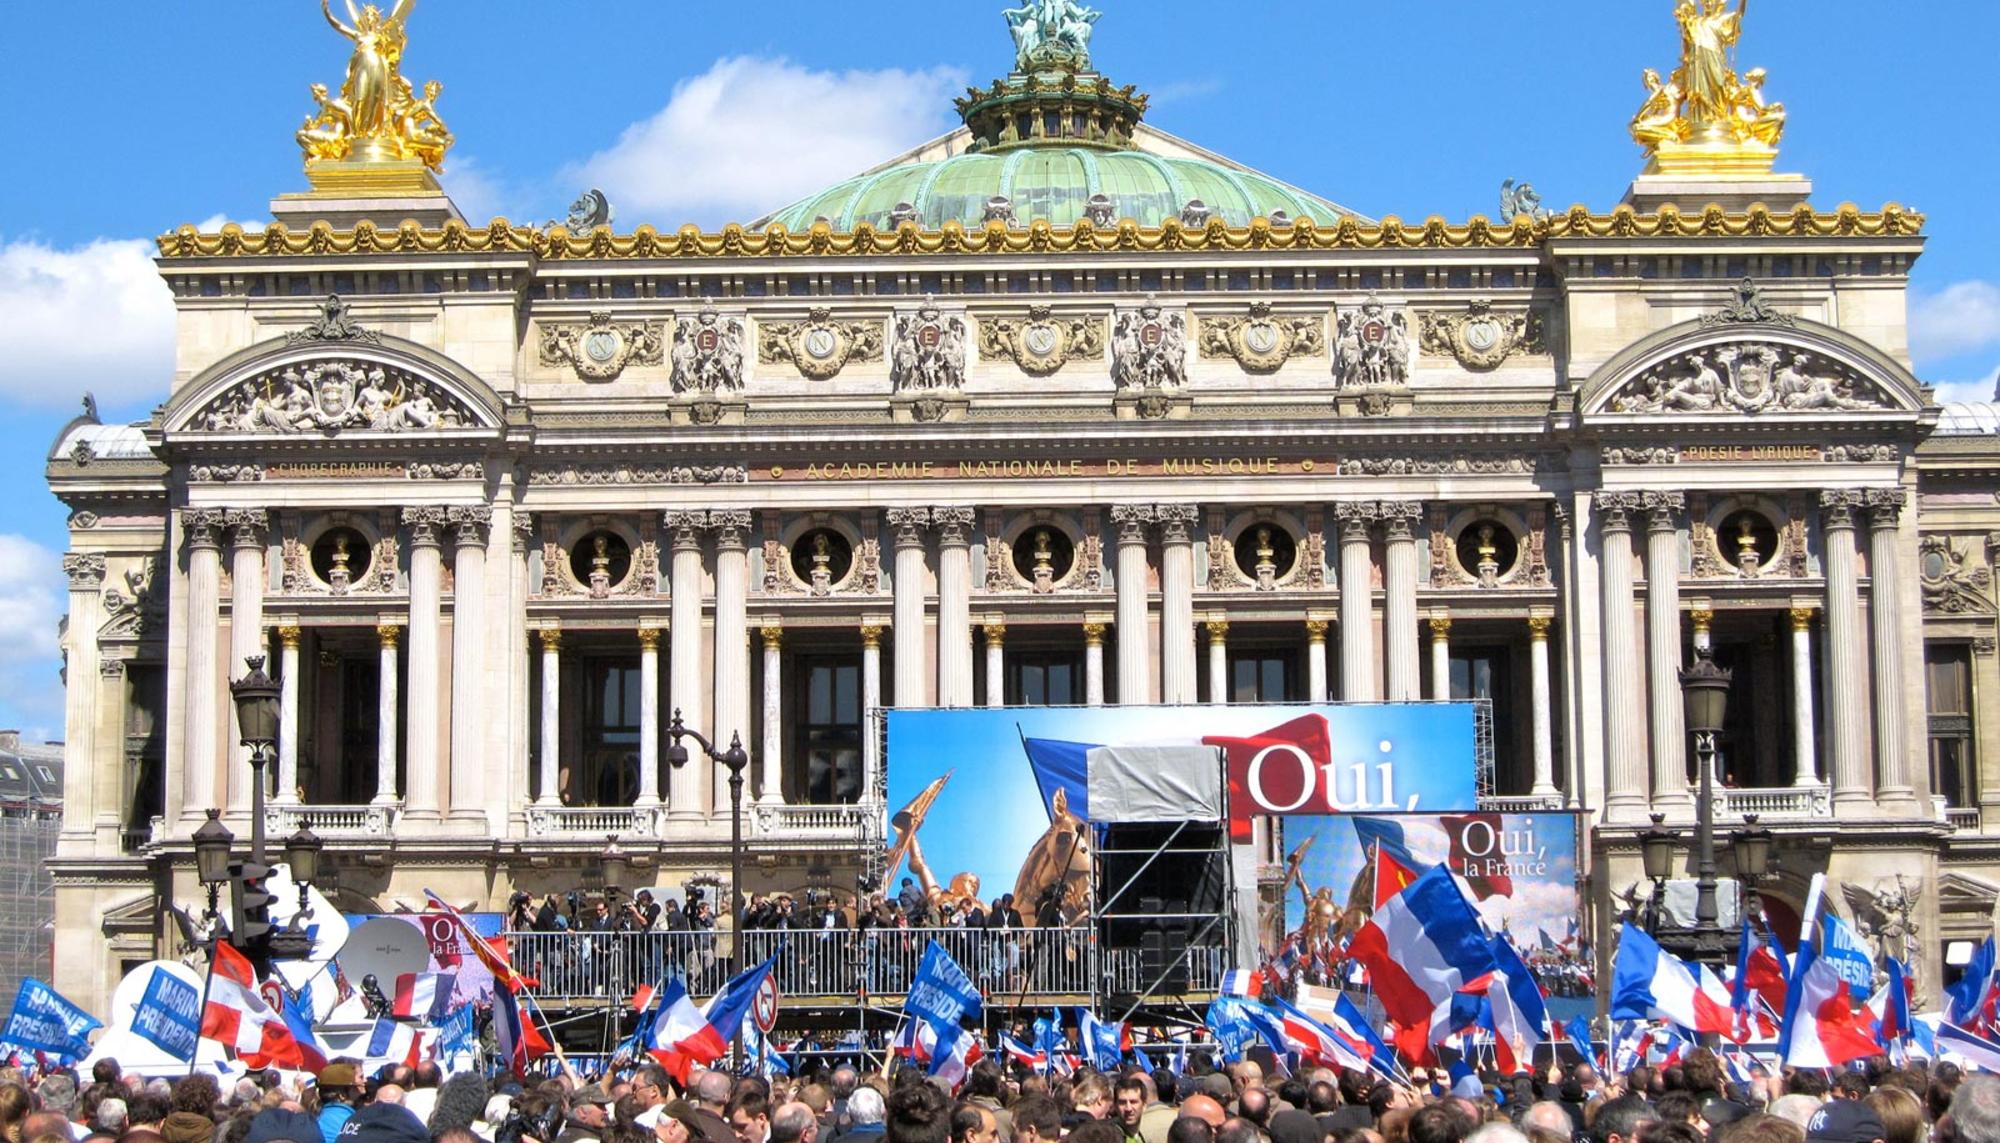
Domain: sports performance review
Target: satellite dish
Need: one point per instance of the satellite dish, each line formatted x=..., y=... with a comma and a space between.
x=385, y=948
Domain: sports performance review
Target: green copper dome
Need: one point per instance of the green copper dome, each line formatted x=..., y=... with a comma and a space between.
x=1055, y=184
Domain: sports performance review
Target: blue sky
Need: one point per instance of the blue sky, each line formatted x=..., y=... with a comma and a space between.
x=129, y=118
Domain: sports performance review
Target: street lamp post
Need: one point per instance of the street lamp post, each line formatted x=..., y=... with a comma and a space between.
x=1704, y=702
x=735, y=760
x=256, y=697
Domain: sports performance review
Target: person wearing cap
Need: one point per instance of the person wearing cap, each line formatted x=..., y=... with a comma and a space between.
x=383, y=1123
x=588, y=1115
x=339, y=1084
x=1845, y=1121
x=672, y=1122
x=277, y=1125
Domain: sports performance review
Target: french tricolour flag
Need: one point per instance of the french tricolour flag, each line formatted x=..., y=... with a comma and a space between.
x=684, y=1035
x=237, y=1017
x=1421, y=946
x=1820, y=1029
x=1647, y=982
x=1318, y=1043
x=389, y=1043
x=424, y=996
x=1030, y=1058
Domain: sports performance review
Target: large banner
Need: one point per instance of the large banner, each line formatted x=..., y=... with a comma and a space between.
x=1518, y=869
x=991, y=801
x=434, y=944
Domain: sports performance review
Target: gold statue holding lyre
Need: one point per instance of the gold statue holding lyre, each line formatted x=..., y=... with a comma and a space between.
x=1706, y=117
x=377, y=117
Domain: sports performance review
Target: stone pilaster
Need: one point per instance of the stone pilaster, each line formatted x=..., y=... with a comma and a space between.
x=954, y=593
x=1399, y=598
x=1663, y=649
x=1357, y=592
x=1847, y=705
x=1135, y=675
x=1177, y=655
x=1625, y=753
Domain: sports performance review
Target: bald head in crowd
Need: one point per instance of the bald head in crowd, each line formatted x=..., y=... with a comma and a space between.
x=1204, y=1108
x=794, y=1122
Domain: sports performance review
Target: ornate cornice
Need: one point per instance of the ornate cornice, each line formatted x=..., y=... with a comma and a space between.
x=1039, y=237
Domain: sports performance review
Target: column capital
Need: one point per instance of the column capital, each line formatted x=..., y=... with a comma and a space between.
x=772, y=632
x=1132, y=520
x=871, y=635
x=524, y=530
x=469, y=523
x=1316, y=630
x=1093, y=633
x=687, y=526
x=1663, y=510
x=1699, y=619
x=1885, y=507
x=1802, y=618
x=85, y=569
x=551, y=637
x=1614, y=510
x=246, y=526
x=1440, y=628
x=1176, y=522
x=1218, y=630
x=1837, y=507
x=909, y=525
x=730, y=526
x=1399, y=518
x=996, y=633
x=1355, y=516
x=424, y=523
x=203, y=527
x=649, y=639
x=389, y=634
x=953, y=523
x=1538, y=627
x=289, y=635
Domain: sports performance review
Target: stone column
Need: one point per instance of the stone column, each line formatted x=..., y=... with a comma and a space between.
x=1093, y=663
x=288, y=715
x=954, y=624
x=1805, y=755
x=770, y=780
x=732, y=636
x=996, y=662
x=1440, y=658
x=420, y=752
x=1218, y=660
x=1399, y=608
x=521, y=651
x=202, y=687
x=1542, y=703
x=387, y=636
x=246, y=635
x=1357, y=621
x=1894, y=790
x=648, y=798
x=1177, y=666
x=871, y=701
x=909, y=525
x=1135, y=675
x=687, y=786
x=84, y=683
x=1316, y=660
x=1853, y=792
x=1663, y=648
x=469, y=713
x=1625, y=753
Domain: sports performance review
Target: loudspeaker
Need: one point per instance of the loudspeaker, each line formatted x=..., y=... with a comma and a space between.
x=1161, y=957
x=1159, y=892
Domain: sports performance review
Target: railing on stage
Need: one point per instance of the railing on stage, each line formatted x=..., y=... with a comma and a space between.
x=332, y=822
x=1773, y=803
x=837, y=966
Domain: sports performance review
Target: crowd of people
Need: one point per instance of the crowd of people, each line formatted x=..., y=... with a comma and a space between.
x=1691, y=1102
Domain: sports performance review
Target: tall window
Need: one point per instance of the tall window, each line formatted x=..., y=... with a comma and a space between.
x=1262, y=674
x=1044, y=678
x=827, y=729
x=1487, y=673
x=353, y=773
x=609, y=771
x=1948, y=701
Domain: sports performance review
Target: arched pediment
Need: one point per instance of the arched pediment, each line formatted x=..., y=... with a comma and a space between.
x=366, y=384
x=1781, y=369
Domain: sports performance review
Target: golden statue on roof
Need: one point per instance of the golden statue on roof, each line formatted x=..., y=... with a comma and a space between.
x=1705, y=117
x=378, y=116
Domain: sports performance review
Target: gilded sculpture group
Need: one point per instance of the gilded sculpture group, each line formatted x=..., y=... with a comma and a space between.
x=377, y=116
x=1706, y=102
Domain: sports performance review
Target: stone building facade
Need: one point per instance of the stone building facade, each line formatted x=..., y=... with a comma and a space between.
x=982, y=428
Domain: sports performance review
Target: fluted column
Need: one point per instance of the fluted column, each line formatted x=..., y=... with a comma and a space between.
x=388, y=636
x=1663, y=647
x=1625, y=754
x=469, y=714
x=200, y=754
x=1177, y=666
x=996, y=663
x=732, y=635
x=871, y=701
x=288, y=715
x=687, y=786
x=1894, y=791
x=246, y=634
x=909, y=525
x=1541, y=700
x=521, y=654
x=1135, y=674
x=1316, y=660
x=1399, y=592
x=420, y=751
x=1093, y=663
x=648, y=797
x=1357, y=622
x=770, y=783
x=1805, y=756
x=1218, y=660
x=85, y=686
x=954, y=627
x=1440, y=658
x=1846, y=704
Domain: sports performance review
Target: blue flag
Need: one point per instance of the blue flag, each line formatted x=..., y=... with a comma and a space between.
x=1240, y=1023
x=1966, y=993
x=458, y=1033
x=42, y=1021
x=169, y=1014
x=942, y=994
x=1579, y=1038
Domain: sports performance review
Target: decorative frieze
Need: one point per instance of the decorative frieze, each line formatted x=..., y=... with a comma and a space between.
x=611, y=474
x=1747, y=377
x=598, y=348
x=1951, y=585
x=1041, y=343
x=1149, y=349
x=708, y=355
x=331, y=395
x=1372, y=350
x=1262, y=341
x=1479, y=336
x=1447, y=464
x=929, y=352
x=224, y=473
x=445, y=470
x=819, y=347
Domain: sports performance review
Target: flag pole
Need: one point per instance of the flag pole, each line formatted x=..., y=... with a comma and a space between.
x=555, y=1042
x=205, y=979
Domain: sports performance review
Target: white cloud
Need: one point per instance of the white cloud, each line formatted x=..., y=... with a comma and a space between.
x=1960, y=318
x=1980, y=390
x=32, y=602
x=751, y=135
x=95, y=317
x=481, y=195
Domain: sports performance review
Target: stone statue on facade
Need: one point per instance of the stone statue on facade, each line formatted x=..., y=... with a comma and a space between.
x=1884, y=916
x=929, y=356
x=1373, y=349
x=328, y=396
x=708, y=354
x=377, y=117
x=1745, y=377
x=1706, y=103
x=1149, y=349
x=1518, y=199
x=1051, y=33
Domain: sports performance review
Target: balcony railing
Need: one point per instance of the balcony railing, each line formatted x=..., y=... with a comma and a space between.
x=332, y=822
x=1773, y=803
x=1521, y=803
x=592, y=821
x=833, y=823
x=839, y=966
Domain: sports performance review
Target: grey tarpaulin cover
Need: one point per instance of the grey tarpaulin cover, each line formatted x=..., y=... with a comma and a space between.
x=1155, y=783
